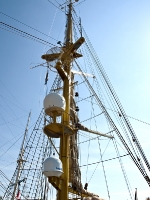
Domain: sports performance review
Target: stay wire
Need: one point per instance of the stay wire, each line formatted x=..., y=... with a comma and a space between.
x=55, y=6
x=90, y=64
x=91, y=139
x=27, y=25
x=104, y=170
x=98, y=88
x=10, y=109
x=84, y=76
x=89, y=145
x=117, y=112
x=5, y=99
x=80, y=2
x=26, y=34
x=22, y=35
x=51, y=27
x=9, y=141
x=84, y=135
x=13, y=96
x=101, y=157
x=123, y=169
x=57, y=2
x=101, y=161
x=136, y=152
x=114, y=104
x=4, y=176
x=4, y=188
x=92, y=117
x=4, y=180
x=114, y=110
x=115, y=128
x=8, y=165
x=11, y=146
x=120, y=119
x=121, y=110
x=14, y=143
x=89, y=50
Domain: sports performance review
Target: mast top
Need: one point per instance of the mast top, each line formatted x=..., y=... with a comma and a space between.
x=68, y=35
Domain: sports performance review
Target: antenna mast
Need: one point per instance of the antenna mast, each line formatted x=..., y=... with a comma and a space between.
x=64, y=140
x=65, y=128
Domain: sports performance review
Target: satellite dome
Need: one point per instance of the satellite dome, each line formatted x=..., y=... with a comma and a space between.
x=54, y=102
x=52, y=167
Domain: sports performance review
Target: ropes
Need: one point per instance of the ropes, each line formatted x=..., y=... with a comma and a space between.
x=104, y=161
x=93, y=117
x=115, y=128
x=123, y=170
x=27, y=25
x=116, y=111
x=12, y=29
x=56, y=6
x=51, y=27
x=34, y=158
x=104, y=170
x=124, y=121
x=130, y=142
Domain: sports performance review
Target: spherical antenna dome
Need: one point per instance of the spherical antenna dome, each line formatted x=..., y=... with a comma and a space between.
x=54, y=102
x=52, y=167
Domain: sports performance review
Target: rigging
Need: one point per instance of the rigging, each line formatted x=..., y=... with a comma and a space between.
x=27, y=26
x=24, y=34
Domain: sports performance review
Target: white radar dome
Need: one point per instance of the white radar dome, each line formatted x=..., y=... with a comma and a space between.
x=54, y=102
x=52, y=167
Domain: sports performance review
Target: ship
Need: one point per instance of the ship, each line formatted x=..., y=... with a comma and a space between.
x=82, y=139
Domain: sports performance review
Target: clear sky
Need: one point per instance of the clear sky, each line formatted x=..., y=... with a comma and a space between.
x=120, y=34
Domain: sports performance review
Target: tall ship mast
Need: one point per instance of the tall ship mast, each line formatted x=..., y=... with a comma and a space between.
x=70, y=180
x=51, y=164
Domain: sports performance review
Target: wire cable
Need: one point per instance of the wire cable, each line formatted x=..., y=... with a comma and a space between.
x=55, y=6
x=27, y=26
x=25, y=34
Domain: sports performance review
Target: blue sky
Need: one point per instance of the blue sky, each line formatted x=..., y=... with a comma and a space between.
x=120, y=34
